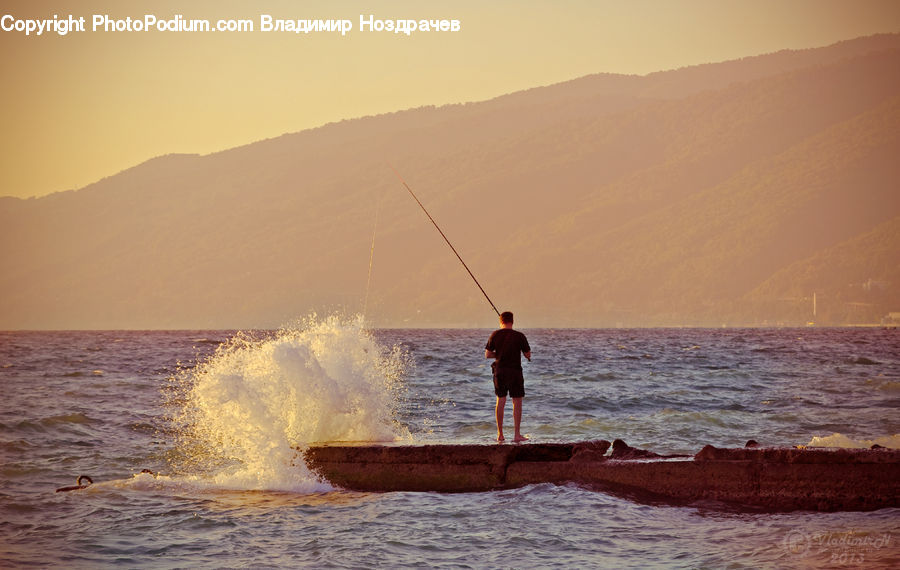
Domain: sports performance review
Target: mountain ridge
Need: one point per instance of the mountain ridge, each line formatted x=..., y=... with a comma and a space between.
x=585, y=203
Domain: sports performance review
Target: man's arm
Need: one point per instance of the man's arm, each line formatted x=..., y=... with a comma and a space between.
x=528, y=355
x=489, y=353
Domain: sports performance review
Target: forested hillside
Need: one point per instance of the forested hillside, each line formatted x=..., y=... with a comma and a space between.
x=727, y=193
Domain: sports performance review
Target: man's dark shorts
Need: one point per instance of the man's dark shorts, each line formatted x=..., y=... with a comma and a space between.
x=509, y=381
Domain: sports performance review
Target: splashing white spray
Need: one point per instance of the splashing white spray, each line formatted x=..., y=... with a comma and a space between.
x=247, y=409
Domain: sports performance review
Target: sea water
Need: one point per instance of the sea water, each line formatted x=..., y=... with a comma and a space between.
x=217, y=417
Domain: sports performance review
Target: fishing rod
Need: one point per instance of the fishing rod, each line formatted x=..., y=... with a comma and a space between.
x=411, y=193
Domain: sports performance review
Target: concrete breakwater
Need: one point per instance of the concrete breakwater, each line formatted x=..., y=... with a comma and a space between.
x=780, y=479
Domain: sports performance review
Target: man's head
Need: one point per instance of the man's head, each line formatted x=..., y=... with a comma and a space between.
x=506, y=318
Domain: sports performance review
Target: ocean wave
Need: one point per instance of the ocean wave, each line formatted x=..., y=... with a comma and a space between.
x=61, y=421
x=840, y=440
x=863, y=361
x=73, y=418
x=246, y=411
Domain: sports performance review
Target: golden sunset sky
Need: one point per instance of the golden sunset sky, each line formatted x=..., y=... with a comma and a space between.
x=79, y=107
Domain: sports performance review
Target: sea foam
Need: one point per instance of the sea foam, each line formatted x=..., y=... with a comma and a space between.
x=243, y=414
x=840, y=440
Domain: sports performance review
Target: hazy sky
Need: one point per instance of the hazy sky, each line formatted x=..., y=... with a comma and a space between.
x=79, y=107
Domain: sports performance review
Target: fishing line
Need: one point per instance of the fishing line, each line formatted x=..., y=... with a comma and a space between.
x=411, y=193
x=371, y=258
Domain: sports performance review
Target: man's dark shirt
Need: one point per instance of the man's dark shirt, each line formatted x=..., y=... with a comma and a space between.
x=508, y=345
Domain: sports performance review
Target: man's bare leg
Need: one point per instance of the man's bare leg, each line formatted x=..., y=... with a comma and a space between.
x=517, y=418
x=498, y=412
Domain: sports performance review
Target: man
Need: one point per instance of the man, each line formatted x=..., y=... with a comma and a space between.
x=506, y=346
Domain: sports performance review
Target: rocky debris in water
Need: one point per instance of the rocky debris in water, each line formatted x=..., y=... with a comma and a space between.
x=751, y=443
x=78, y=484
x=590, y=451
x=623, y=451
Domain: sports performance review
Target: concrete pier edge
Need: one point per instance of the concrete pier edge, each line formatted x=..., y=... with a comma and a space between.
x=778, y=479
